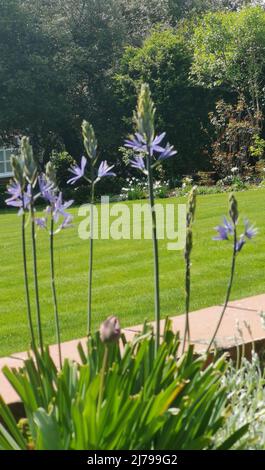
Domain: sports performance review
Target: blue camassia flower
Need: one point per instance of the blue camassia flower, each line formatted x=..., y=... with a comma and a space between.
x=105, y=170
x=227, y=228
x=57, y=207
x=138, y=163
x=138, y=143
x=19, y=199
x=47, y=189
x=79, y=172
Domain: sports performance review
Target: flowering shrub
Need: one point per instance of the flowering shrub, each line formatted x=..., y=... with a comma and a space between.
x=234, y=182
x=134, y=190
x=138, y=189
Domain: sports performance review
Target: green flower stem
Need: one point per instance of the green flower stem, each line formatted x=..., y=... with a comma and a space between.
x=155, y=250
x=102, y=379
x=90, y=269
x=34, y=252
x=26, y=282
x=230, y=283
x=187, y=303
x=54, y=294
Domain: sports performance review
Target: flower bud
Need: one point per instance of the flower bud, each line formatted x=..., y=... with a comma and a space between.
x=192, y=204
x=145, y=114
x=90, y=141
x=110, y=330
x=233, y=211
x=30, y=165
x=18, y=169
x=188, y=243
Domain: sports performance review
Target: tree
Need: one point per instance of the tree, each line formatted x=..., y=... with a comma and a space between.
x=237, y=143
x=31, y=92
x=229, y=51
x=164, y=62
x=89, y=37
x=179, y=9
x=58, y=60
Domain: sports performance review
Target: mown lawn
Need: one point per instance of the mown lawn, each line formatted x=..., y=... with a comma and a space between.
x=123, y=275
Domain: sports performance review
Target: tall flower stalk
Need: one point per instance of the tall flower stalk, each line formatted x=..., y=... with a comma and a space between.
x=48, y=193
x=229, y=228
x=36, y=282
x=54, y=293
x=91, y=247
x=55, y=209
x=31, y=174
x=19, y=198
x=91, y=145
x=155, y=246
x=26, y=282
x=187, y=255
x=149, y=156
x=92, y=177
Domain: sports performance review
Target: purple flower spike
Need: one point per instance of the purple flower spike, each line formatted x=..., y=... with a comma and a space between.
x=240, y=243
x=16, y=199
x=250, y=230
x=104, y=170
x=67, y=222
x=228, y=226
x=223, y=233
x=14, y=189
x=139, y=144
x=138, y=163
x=41, y=222
x=60, y=208
x=46, y=189
x=78, y=171
x=14, y=202
x=155, y=147
x=136, y=143
x=167, y=152
x=228, y=229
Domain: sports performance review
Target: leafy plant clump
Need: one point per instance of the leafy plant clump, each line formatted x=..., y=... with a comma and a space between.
x=119, y=398
x=246, y=396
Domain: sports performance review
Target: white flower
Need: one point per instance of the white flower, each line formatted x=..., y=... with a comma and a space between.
x=234, y=169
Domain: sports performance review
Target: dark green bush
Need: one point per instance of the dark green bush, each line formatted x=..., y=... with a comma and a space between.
x=3, y=196
x=62, y=162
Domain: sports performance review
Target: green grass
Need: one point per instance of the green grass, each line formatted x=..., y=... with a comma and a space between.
x=123, y=273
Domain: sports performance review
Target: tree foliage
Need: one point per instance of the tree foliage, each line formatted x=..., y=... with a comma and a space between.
x=229, y=50
x=65, y=60
x=164, y=62
x=237, y=143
